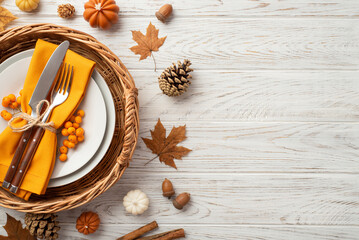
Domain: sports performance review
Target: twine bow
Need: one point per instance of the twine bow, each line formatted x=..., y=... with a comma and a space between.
x=31, y=121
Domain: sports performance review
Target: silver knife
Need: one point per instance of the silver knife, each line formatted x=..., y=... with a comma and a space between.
x=48, y=75
x=41, y=91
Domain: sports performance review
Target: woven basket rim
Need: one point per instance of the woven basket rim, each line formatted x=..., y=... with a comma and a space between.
x=124, y=93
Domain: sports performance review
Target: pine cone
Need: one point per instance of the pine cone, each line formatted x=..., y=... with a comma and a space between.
x=42, y=226
x=66, y=10
x=175, y=80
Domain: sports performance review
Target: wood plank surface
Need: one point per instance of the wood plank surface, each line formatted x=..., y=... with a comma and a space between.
x=231, y=232
x=215, y=8
x=215, y=232
x=321, y=96
x=259, y=147
x=272, y=117
x=222, y=198
x=274, y=199
x=234, y=44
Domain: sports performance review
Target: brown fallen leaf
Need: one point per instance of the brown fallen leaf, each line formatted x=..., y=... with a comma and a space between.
x=166, y=148
x=15, y=231
x=5, y=18
x=147, y=44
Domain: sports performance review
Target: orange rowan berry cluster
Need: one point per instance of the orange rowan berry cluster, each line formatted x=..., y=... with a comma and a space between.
x=6, y=115
x=73, y=132
x=10, y=102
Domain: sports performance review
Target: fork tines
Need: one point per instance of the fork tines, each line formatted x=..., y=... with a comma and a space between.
x=63, y=84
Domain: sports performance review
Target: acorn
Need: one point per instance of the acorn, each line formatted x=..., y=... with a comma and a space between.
x=167, y=188
x=181, y=200
x=164, y=12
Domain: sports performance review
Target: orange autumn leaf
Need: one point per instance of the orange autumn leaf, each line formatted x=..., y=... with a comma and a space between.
x=15, y=231
x=5, y=18
x=166, y=148
x=147, y=43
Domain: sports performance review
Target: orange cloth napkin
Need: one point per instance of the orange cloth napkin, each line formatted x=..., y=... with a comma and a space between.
x=40, y=169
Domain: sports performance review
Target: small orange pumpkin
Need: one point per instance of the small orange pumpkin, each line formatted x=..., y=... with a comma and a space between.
x=87, y=223
x=101, y=13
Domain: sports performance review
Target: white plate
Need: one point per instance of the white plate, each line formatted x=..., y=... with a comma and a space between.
x=93, y=104
x=111, y=121
x=94, y=124
x=111, y=118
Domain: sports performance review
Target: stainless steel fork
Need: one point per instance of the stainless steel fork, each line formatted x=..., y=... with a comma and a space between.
x=61, y=90
x=59, y=94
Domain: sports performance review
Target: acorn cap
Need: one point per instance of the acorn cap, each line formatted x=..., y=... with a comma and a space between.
x=181, y=200
x=168, y=193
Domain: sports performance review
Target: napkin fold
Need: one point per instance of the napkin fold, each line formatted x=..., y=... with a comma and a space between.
x=41, y=167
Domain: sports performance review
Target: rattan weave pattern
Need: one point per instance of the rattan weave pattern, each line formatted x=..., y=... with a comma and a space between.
x=124, y=94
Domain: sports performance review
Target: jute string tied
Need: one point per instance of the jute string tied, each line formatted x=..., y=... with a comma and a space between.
x=33, y=121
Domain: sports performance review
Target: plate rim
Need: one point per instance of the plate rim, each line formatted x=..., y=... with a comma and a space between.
x=110, y=123
x=98, y=157
x=101, y=140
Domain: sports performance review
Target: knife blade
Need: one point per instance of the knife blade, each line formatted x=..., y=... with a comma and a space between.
x=48, y=75
x=41, y=91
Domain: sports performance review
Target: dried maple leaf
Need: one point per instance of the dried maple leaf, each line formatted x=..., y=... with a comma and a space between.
x=166, y=148
x=5, y=17
x=15, y=231
x=147, y=44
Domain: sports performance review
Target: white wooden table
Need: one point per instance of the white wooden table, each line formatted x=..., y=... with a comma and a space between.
x=272, y=118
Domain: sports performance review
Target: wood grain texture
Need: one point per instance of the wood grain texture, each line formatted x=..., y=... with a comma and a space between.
x=272, y=118
x=232, y=232
x=225, y=199
x=301, y=199
x=234, y=44
x=259, y=147
x=214, y=8
x=215, y=232
x=254, y=96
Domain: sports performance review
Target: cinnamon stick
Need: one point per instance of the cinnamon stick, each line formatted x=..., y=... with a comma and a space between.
x=174, y=234
x=140, y=231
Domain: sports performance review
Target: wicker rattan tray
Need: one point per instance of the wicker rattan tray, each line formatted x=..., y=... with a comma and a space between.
x=124, y=140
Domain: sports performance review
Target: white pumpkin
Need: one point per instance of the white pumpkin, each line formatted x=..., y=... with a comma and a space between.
x=136, y=202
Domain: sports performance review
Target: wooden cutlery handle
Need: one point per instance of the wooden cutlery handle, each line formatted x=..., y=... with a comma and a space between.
x=17, y=158
x=25, y=163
